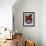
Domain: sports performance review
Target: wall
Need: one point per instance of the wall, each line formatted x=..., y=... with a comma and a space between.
x=6, y=13
x=32, y=33
x=43, y=22
x=6, y=16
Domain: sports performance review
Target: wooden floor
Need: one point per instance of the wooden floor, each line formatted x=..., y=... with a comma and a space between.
x=9, y=43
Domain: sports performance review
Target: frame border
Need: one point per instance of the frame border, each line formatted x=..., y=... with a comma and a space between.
x=33, y=20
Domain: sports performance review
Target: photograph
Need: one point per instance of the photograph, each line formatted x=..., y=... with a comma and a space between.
x=22, y=22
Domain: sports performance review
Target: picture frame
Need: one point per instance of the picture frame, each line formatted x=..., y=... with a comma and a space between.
x=28, y=19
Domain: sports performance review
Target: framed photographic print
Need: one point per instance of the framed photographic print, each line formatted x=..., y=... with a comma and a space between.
x=28, y=19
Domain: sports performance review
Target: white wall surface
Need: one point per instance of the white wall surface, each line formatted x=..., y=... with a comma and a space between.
x=6, y=16
x=32, y=33
x=6, y=13
x=37, y=33
x=43, y=22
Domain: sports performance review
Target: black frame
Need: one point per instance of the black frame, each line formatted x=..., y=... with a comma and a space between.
x=33, y=19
